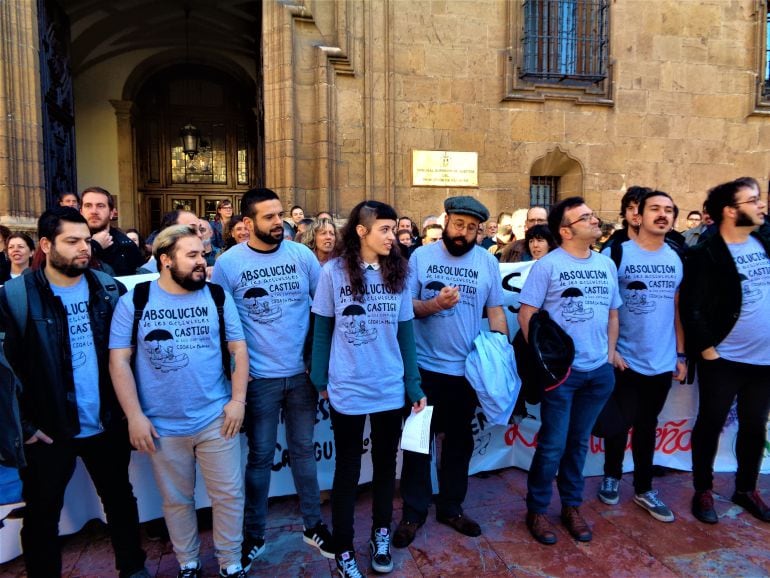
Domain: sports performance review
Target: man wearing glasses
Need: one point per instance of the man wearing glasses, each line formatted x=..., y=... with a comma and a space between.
x=452, y=281
x=579, y=290
x=725, y=301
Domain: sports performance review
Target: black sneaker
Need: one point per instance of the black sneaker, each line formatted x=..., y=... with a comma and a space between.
x=252, y=547
x=190, y=570
x=347, y=566
x=320, y=537
x=379, y=547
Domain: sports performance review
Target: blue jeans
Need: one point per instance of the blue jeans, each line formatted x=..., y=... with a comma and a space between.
x=265, y=399
x=567, y=414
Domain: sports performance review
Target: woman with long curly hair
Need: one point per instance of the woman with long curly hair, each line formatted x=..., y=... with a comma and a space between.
x=363, y=314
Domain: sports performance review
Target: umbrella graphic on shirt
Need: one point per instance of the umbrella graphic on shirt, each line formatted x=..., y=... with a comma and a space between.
x=354, y=325
x=259, y=306
x=573, y=306
x=432, y=290
x=160, y=345
x=750, y=293
x=636, y=298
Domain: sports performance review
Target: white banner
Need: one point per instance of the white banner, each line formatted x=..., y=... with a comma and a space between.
x=495, y=447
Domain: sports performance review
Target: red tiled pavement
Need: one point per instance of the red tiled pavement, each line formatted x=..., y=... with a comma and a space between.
x=627, y=541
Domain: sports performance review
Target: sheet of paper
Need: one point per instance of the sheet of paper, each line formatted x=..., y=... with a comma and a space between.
x=416, y=434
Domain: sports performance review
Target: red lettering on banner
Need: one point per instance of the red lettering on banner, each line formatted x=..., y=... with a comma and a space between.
x=513, y=433
x=672, y=438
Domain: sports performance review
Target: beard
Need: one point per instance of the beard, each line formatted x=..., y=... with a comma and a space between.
x=63, y=266
x=269, y=238
x=744, y=220
x=457, y=246
x=186, y=280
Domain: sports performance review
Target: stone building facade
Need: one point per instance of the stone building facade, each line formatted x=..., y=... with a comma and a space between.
x=669, y=94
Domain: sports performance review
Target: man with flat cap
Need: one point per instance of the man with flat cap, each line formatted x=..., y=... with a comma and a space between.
x=451, y=281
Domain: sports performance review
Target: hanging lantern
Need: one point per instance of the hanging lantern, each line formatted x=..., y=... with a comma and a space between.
x=191, y=138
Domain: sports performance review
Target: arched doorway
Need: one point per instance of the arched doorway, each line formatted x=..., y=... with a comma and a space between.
x=224, y=163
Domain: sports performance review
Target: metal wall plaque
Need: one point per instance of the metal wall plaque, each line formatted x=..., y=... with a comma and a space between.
x=445, y=169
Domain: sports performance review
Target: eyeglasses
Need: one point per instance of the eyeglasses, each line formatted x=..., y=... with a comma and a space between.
x=461, y=226
x=752, y=201
x=537, y=221
x=586, y=217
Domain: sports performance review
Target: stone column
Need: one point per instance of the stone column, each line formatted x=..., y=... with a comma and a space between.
x=128, y=202
x=22, y=171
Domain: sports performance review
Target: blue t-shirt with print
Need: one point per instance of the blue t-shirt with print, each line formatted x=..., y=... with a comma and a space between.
x=648, y=282
x=366, y=371
x=445, y=339
x=272, y=291
x=578, y=295
x=747, y=341
x=85, y=365
x=178, y=364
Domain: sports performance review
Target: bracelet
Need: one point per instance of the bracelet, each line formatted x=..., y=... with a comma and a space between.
x=680, y=355
x=238, y=401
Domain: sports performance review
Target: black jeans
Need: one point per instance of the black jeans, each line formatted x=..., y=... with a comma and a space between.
x=454, y=403
x=719, y=382
x=640, y=398
x=49, y=469
x=348, y=437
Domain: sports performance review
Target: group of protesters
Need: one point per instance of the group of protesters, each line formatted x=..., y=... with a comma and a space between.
x=361, y=320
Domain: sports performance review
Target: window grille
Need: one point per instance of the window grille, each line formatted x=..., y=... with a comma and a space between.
x=543, y=191
x=565, y=40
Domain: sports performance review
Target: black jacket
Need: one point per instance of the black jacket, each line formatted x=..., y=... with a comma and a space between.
x=42, y=359
x=710, y=297
x=123, y=256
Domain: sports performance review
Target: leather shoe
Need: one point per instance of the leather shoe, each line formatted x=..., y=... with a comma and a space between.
x=541, y=528
x=703, y=507
x=405, y=533
x=752, y=502
x=462, y=524
x=575, y=524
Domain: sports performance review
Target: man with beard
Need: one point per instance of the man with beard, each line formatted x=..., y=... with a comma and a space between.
x=180, y=406
x=650, y=348
x=272, y=283
x=568, y=412
x=446, y=323
x=67, y=403
x=725, y=322
x=109, y=246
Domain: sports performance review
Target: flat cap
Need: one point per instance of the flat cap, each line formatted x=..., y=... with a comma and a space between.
x=466, y=206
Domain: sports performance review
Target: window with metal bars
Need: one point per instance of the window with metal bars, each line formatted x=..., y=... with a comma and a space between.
x=565, y=40
x=766, y=87
x=543, y=191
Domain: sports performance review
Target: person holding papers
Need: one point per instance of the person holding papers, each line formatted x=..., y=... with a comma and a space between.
x=364, y=363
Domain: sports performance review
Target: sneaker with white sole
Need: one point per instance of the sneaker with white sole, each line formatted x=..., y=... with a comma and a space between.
x=252, y=547
x=320, y=537
x=347, y=566
x=379, y=547
x=609, y=493
x=653, y=504
x=190, y=570
x=232, y=571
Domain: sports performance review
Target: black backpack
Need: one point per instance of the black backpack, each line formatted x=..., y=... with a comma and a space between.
x=141, y=296
x=546, y=361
